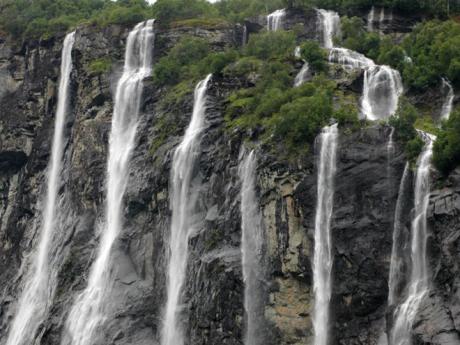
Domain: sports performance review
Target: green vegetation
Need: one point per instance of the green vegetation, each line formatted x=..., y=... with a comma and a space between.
x=311, y=52
x=403, y=122
x=100, y=66
x=446, y=151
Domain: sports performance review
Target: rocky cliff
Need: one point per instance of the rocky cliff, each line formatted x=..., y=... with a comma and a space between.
x=367, y=183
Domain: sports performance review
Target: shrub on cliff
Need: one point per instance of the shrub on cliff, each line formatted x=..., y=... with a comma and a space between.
x=312, y=52
x=404, y=125
x=446, y=151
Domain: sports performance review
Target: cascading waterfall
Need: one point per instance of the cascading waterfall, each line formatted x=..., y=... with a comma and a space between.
x=252, y=243
x=275, y=20
x=418, y=285
x=382, y=84
x=323, y=256
x=182, y=199
x=40, y=283
x=396, y=262
x=329, y=21
x=349, y=58
x=449, y=101
x=381, y=91
x=89, y=309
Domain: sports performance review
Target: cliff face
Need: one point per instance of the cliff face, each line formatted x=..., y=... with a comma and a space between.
x=367, y=183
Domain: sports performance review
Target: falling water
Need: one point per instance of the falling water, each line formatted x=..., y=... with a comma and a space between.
x=382, y=84
x=89, y=309
x=349, y=58
x=252, y=251
x=182, y=199
x=371, y=19
x=449, y=101
x=323, y=258
x=302, y=75
x=275, y=20
x=397, y=260
x=245, y=35
x=39, y=286
x=418, y=284
x=330, y=26
x=381, y=91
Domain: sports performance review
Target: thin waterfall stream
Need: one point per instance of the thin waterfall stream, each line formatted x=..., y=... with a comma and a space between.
x=182, y=201
x=89, y=309
x=418, y=285
x=323, y=256
x=252, y=247
x=40, y=282
x=449, y=101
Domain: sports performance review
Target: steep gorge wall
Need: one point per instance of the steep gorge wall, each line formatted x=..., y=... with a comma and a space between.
x=366, y=192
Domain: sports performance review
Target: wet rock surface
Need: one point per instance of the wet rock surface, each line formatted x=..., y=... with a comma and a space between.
x=367, y=183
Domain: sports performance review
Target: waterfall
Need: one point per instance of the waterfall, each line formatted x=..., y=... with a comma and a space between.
x=89, y=309
x=275, y=20
x=449, y=101
x=323, y=256
x=329, y=21
x=418, y=285
x=381, y=91
x=349, y=58
x=297, y=52
x=371, y=19
x=302, y=75
x=252, y=251
x=382, y=84
x=182, y=198
x=40, y=280
x=397, y=259
x=245, y=35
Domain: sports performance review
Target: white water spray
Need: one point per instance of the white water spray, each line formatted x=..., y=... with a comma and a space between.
x=449, y=101
x=90, y=307
x=40, y=283
x=323, y=256
x=182, y=198
x=252, y=251
x=381, y=91
x=301, y=77
x=275, y=20
x=329, y=21
x=418, y=285
x=349, y=58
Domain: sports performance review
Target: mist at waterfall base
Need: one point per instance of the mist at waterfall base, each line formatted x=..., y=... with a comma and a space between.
x=323, y=256
x=90, y=308
x=40, y=279
x=183, y=197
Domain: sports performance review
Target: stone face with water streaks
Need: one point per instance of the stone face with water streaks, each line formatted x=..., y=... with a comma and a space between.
x=361, y=227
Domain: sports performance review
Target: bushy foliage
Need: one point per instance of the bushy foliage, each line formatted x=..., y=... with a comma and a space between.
x=312, y=52
x=38, y=18
x=446, y=150
x=435, y=51
x=271, y=45
x=191, y=58
x=167, y=11
x=403, y=123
